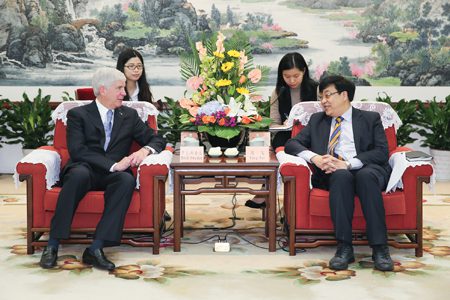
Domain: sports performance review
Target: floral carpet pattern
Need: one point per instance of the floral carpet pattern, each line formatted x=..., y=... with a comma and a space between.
x=248, y=271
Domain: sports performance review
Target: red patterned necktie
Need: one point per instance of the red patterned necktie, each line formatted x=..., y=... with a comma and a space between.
x=334, y=139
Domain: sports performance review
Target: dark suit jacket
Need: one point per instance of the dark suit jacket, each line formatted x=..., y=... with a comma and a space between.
x=370, y=139
x=86, y=136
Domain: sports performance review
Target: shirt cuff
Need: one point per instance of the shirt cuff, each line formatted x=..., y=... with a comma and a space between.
x=112, y=168
x=307, y=155
x=355, y=163
x=152, y=151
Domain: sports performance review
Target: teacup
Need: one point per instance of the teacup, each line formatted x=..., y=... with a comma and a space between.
x=214, y=152
x=190, y=142
x=256, y=142
x=231, y=152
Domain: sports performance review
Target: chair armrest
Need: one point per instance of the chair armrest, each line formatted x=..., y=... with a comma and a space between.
x=291, y=165
x=48, y=159
x=401, y=167
x=147, y=167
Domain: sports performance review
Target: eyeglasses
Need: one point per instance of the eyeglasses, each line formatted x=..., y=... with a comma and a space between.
x=328, y=95
x=134, y=67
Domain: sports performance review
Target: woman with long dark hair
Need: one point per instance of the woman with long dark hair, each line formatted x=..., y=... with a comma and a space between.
x=293, y=86
x=131, y=63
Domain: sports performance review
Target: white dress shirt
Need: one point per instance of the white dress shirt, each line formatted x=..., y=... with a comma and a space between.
x=346, y=144
x=134, y=97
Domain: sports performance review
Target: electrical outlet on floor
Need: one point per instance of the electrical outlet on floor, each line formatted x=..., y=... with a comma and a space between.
x=222, y=247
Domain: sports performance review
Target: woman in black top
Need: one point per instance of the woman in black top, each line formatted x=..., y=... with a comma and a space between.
x=293, y=86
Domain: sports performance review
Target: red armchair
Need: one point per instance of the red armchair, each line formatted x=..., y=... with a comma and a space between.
x=41, y=170
x=307, y=209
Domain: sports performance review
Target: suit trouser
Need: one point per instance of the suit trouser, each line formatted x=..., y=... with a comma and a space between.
x=367, y=183
x=78, y=180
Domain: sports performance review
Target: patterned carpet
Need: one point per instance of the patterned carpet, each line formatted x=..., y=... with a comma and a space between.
x=247, y=272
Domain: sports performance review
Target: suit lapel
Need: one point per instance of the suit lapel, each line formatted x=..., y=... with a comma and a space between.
x=119, y=116
x=324, y=131
x=357, y=129
x=94, y=116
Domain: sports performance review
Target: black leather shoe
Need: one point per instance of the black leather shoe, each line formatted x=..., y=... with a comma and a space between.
x=253, y=204
x=49, y=257
x=97, y=259
x=382, y=259
x=342, y=257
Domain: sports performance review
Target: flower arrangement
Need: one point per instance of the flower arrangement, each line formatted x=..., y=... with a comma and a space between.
x=221, y=86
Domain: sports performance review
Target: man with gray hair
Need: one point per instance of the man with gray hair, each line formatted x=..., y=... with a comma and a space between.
x=99, y=138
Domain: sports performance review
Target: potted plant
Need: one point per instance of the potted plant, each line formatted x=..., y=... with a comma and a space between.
x=27, y=122
x=222, y=88
x=407, y=112
x=434, y=117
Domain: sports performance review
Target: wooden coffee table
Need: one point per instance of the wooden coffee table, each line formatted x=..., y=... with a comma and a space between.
x=224, y=174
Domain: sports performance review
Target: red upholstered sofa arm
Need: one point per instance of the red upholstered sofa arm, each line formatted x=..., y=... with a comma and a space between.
x=410, y=180
x=35, y=174
x=299, y=176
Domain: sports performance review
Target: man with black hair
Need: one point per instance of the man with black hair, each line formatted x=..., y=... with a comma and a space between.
x=349, y=151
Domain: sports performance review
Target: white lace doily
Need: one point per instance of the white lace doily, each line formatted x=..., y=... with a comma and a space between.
x=50, y=159
x=284, y=158
x=144, y=109
x=302, y=112
x=399, y=164
x=162, y=158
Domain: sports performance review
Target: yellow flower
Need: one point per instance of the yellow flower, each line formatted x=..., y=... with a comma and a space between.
x=223, y=82
x=218, y=54
x=227, y=66
x=233, y=53
x=243, y=91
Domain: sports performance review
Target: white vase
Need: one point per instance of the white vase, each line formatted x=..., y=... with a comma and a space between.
x=442, y=164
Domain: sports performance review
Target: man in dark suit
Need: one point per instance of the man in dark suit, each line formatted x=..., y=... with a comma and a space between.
x=99, y=138
x=349, y=151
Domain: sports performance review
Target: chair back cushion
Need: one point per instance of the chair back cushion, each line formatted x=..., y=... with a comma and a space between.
x=146, y=111
x=301, y=113
x=84, y=94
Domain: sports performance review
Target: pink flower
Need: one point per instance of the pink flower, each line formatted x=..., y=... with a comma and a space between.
x=243, y=59
x=201, y=50
x=369, y=67
x=267, y=46
x=320, y=69
x=276, y=27
x=255, y=98
x=254, y=75
x=190, y=105
x=357, y=71
x=194, y=82
x=219, y=43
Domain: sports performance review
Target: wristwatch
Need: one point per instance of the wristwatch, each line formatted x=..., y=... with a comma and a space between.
x=349, y=165
x=150, y=151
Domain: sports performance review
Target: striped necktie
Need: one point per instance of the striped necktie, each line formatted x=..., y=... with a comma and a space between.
x=334, y=139
x=108, y=128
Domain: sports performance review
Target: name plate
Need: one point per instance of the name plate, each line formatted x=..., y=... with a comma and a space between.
x=191, y=154
x=257, y=154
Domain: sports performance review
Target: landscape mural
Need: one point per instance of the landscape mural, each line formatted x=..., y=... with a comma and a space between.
x=376, y=42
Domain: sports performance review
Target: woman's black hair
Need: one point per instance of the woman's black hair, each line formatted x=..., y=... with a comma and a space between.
x=144, y=88
x=308, y=87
